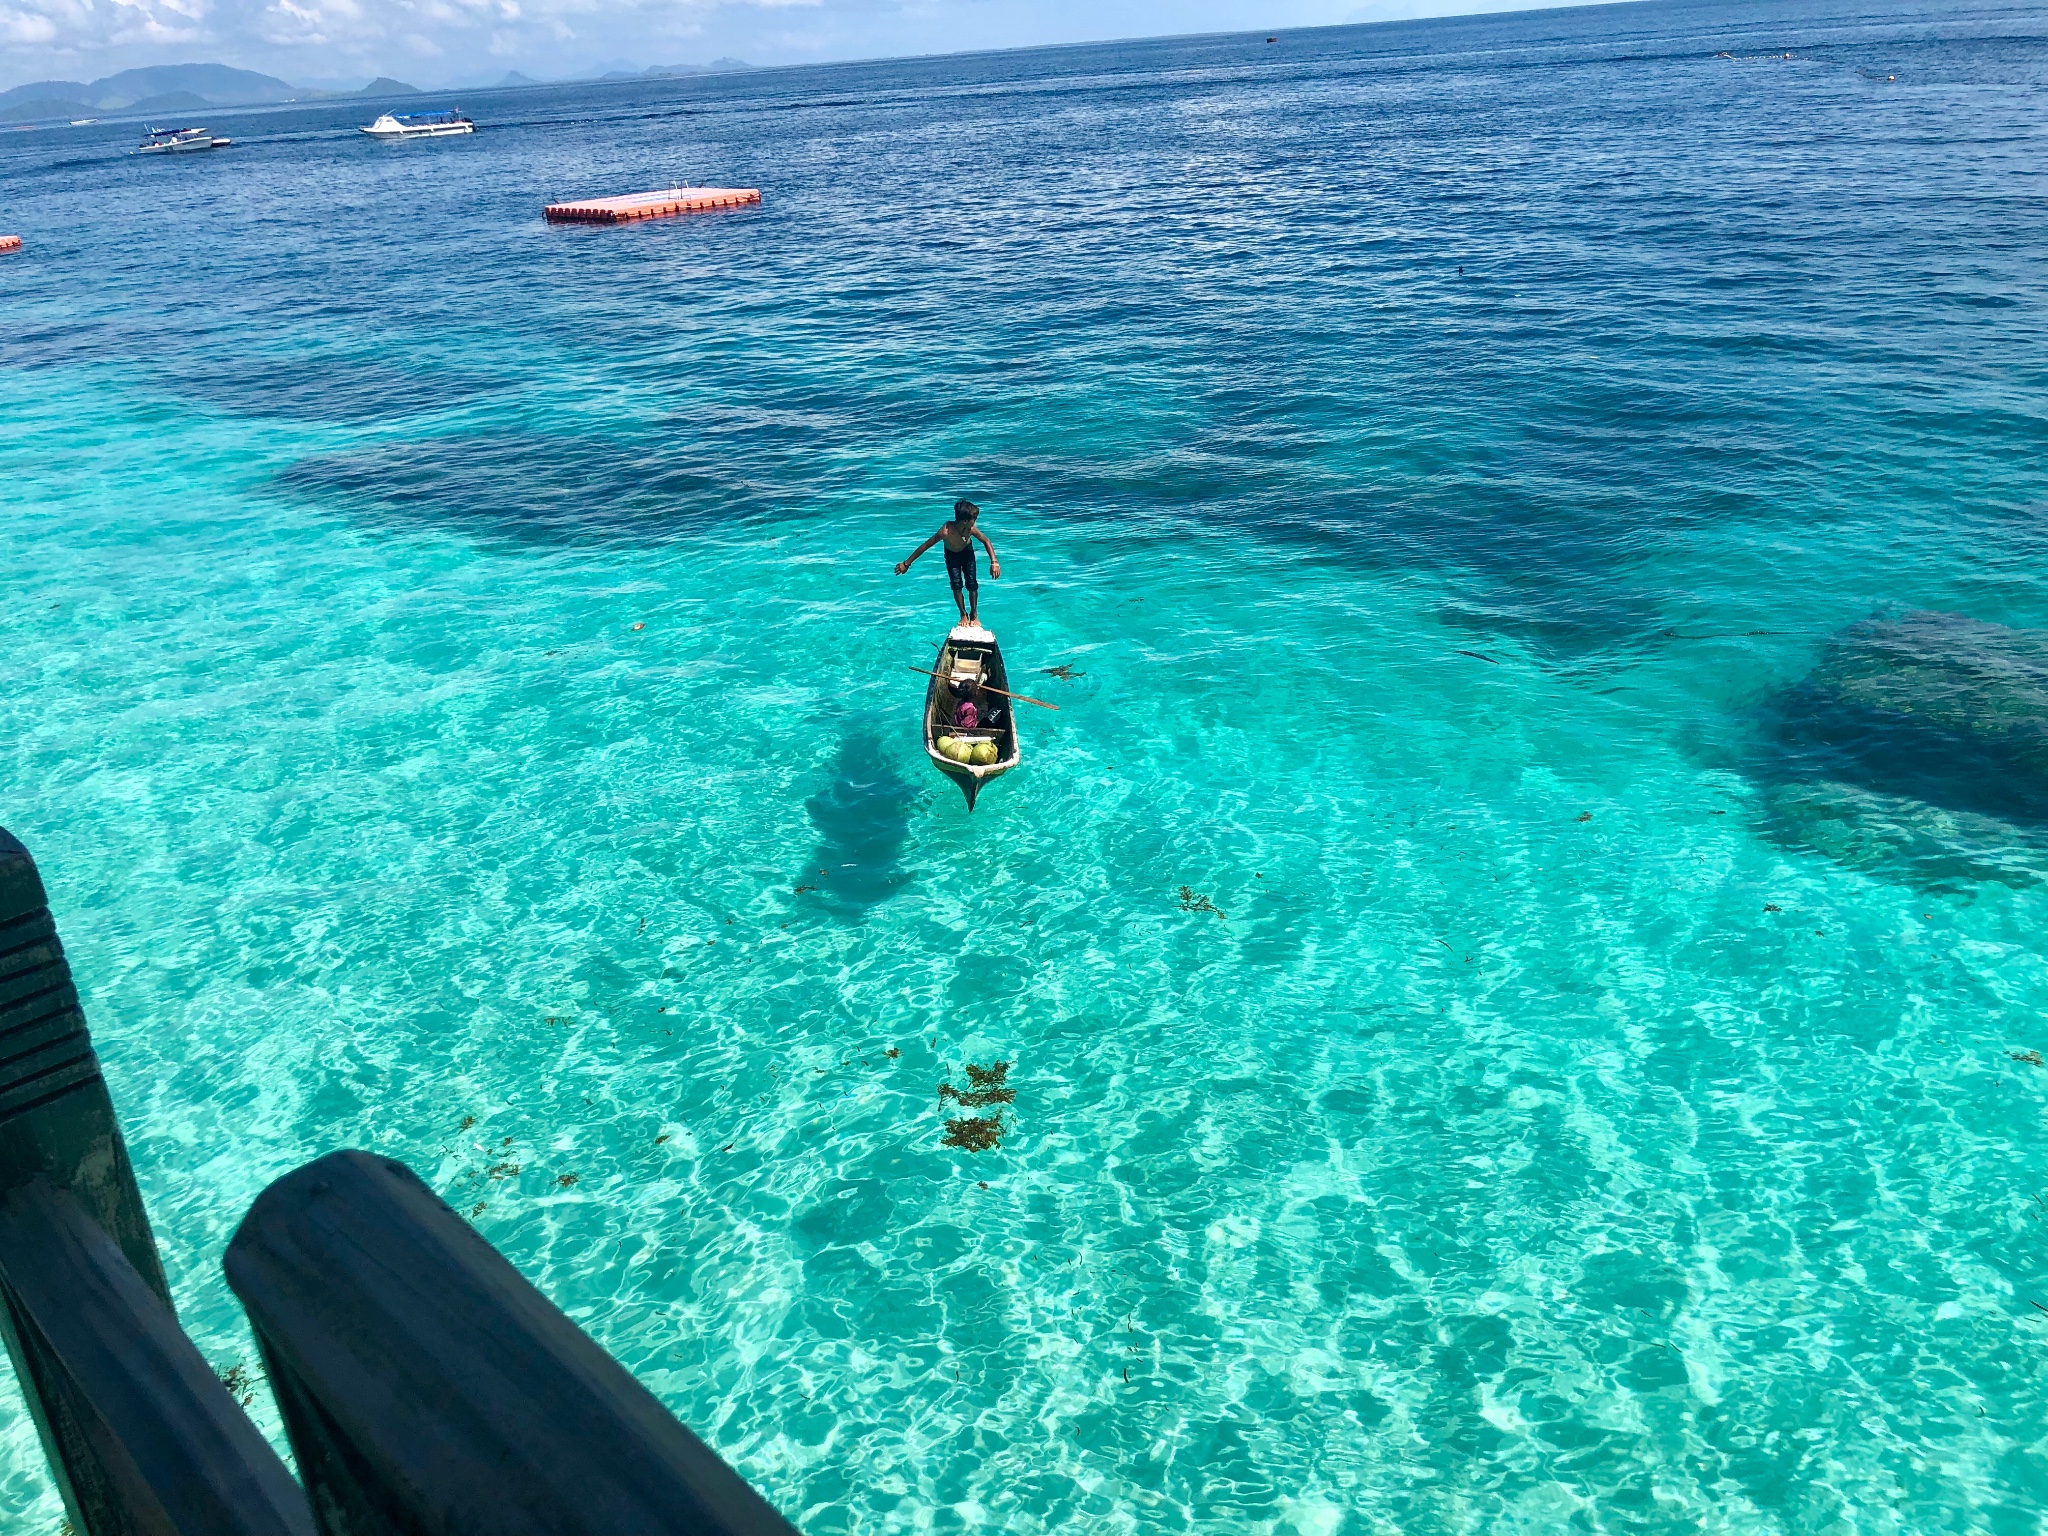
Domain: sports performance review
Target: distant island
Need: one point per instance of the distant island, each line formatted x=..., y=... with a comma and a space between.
x=168, y=89
x=665, y=71
x=652, y=72
x=159, y=88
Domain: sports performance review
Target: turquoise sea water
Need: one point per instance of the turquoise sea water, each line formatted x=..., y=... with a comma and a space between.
x=1587, y=1107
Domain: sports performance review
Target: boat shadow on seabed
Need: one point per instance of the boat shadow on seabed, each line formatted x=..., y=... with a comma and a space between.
x=863, y=821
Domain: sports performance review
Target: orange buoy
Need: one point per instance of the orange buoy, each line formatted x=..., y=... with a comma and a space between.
x=652, y=205
x=10, y=242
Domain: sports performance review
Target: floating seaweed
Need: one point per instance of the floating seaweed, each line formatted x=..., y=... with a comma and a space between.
x=2031, y=1058
x=975, y=1133
x=240, y=1383
x=1190, y=902
x=986, y=1086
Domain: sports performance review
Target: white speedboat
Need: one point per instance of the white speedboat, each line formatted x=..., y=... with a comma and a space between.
x=419, y=125
x=176, y=141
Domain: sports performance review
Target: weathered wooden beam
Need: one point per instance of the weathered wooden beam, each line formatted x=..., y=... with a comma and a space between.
x=56, y=1121
x=139, y=1434
x=428, y=1388
x=145, y=1438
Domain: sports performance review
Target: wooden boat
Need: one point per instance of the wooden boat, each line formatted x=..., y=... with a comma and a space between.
x=970, y=654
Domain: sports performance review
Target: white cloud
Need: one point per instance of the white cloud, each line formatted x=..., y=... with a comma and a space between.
x=23, y=29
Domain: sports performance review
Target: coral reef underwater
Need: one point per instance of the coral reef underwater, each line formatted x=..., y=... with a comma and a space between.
x=1917, y=748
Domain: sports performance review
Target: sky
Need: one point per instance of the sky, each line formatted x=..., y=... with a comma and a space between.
x=451, y=42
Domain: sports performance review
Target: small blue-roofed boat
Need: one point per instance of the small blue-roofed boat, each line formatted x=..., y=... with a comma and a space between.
x=419, y=125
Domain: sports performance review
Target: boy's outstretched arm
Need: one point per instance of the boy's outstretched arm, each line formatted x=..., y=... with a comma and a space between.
x=995, y=566
x=927, y=544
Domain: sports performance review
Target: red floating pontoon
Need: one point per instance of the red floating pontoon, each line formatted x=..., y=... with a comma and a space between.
x=10, y=242
x=653, y=205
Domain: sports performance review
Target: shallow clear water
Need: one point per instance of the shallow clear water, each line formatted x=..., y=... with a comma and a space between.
x=1589, y=1106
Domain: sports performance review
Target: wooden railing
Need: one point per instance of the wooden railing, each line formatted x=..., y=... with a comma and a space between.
x=425, y=1386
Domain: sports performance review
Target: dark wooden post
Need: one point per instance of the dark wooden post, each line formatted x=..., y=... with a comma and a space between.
x=428, y=1388
x=145, y=1440
x=56, y=1121
x=141, y=1437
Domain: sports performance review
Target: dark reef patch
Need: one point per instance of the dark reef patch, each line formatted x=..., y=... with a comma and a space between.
x=324, y=387
x=1534, y=550
x=550, y=490
x=1931, y=706
x=1918, y=747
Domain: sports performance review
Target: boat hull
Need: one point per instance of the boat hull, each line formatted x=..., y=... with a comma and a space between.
x=970, y=649
x=183, y=146
x=393, y=127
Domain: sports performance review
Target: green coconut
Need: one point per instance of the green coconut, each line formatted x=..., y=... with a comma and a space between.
x=984, y=752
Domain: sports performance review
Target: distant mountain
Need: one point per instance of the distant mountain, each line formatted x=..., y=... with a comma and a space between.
x=168, y=89
x=46, y=90
x=618, y=74
x=45, y=98
x=36, y=108
x=215, y=84
x=622, y=72
x=159, y=88
x=172, y=101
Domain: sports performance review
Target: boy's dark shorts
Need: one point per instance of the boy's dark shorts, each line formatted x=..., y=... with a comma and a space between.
x=960, y=569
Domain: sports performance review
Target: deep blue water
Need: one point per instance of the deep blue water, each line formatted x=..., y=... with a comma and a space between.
x=1543, y=517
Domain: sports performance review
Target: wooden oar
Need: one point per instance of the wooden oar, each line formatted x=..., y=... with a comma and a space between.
x=991, y=688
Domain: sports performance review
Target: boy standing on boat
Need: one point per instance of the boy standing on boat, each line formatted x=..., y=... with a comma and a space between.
x=959, y=536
